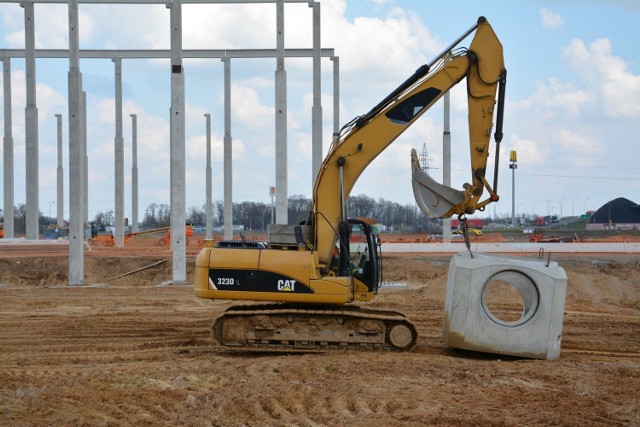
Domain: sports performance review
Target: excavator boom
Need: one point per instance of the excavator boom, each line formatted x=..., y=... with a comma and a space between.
x=363, y=139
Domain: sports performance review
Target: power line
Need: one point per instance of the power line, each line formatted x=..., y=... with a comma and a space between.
x=583, y=177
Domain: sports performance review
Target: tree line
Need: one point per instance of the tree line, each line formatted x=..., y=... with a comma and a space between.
x=257, y=216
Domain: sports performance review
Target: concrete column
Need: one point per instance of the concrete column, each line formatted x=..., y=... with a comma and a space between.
x=85, y=160
x=31, y=125
x=228, y=155
x=446, y=162
x=119, y=157
x=76, y=229
x=177, y=149
x=316, y=109
x=60, y=177
x=281, y=120
x=134, y=173
x=336, y=97
x=7, y=151
x=208, y=207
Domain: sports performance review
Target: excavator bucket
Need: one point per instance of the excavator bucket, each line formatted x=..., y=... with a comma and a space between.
x=434, y=199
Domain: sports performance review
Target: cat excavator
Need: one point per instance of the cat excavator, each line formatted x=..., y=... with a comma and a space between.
x=307, y=277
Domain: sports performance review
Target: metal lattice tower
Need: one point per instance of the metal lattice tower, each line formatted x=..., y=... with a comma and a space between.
x=424, y=159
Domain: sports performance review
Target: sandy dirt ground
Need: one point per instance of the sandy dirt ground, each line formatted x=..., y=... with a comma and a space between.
x=129, y=352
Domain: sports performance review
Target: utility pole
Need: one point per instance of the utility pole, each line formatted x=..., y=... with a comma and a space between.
x=513, y=159
x=134, y=172
x=446, y=161
x=60, y=176
x=208, y=207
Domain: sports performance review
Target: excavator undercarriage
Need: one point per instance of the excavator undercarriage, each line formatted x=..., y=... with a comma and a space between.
x=291, y=327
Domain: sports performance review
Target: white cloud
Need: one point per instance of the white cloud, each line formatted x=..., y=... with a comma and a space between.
x=49, y=102
x=153, y=131
x=528, y=150
x=381, y=44
x=579, y=150
x=556, y=99
x=247, y=108
x=52, y=28
x=607, y=75
x=550, y=19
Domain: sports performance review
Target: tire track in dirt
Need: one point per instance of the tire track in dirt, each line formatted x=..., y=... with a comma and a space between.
x=130, y=354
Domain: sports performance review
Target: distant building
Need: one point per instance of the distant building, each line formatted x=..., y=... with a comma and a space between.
x=618, y=214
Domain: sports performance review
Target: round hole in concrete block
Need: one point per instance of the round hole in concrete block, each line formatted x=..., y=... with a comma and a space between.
x=510, y=298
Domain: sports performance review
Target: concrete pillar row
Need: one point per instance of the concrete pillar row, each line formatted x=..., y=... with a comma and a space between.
x=8, y=165
x=336, y=97
x=85, y=159
x=316, y=109
x=227, y=154
x=119, y=157
x=76, y=181
x=31, y=126
x=281, y=120
x=177, y=148
x=59, y=177
x=134, y=173
x=208, y=207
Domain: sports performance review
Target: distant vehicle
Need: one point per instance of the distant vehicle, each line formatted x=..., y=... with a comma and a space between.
x=471, y=231
x=586, y=215
x=546, y=220
x=475, y=223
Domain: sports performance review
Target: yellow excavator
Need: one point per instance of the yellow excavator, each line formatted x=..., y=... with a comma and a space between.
x=308, y=275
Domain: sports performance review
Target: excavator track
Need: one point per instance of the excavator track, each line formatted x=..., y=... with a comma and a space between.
x=288, y=327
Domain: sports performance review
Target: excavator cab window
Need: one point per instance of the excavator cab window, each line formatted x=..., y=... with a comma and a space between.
x=363, y=254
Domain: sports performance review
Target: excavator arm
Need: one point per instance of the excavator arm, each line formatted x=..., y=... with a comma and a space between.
x=364, y=138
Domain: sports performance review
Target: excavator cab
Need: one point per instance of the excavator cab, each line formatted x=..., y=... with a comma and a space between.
x=364, y=259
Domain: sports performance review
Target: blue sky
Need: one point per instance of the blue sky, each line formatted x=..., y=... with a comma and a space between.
x=572, y=114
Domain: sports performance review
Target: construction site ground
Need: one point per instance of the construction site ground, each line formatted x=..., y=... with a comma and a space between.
x=133, y=350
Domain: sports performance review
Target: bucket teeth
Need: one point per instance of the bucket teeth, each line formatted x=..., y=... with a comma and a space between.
x=434, y=199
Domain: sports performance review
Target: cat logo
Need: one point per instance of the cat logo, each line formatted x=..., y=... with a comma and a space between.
x=286, y=285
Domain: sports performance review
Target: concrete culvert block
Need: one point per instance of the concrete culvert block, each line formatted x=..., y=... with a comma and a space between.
x=505, y=305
